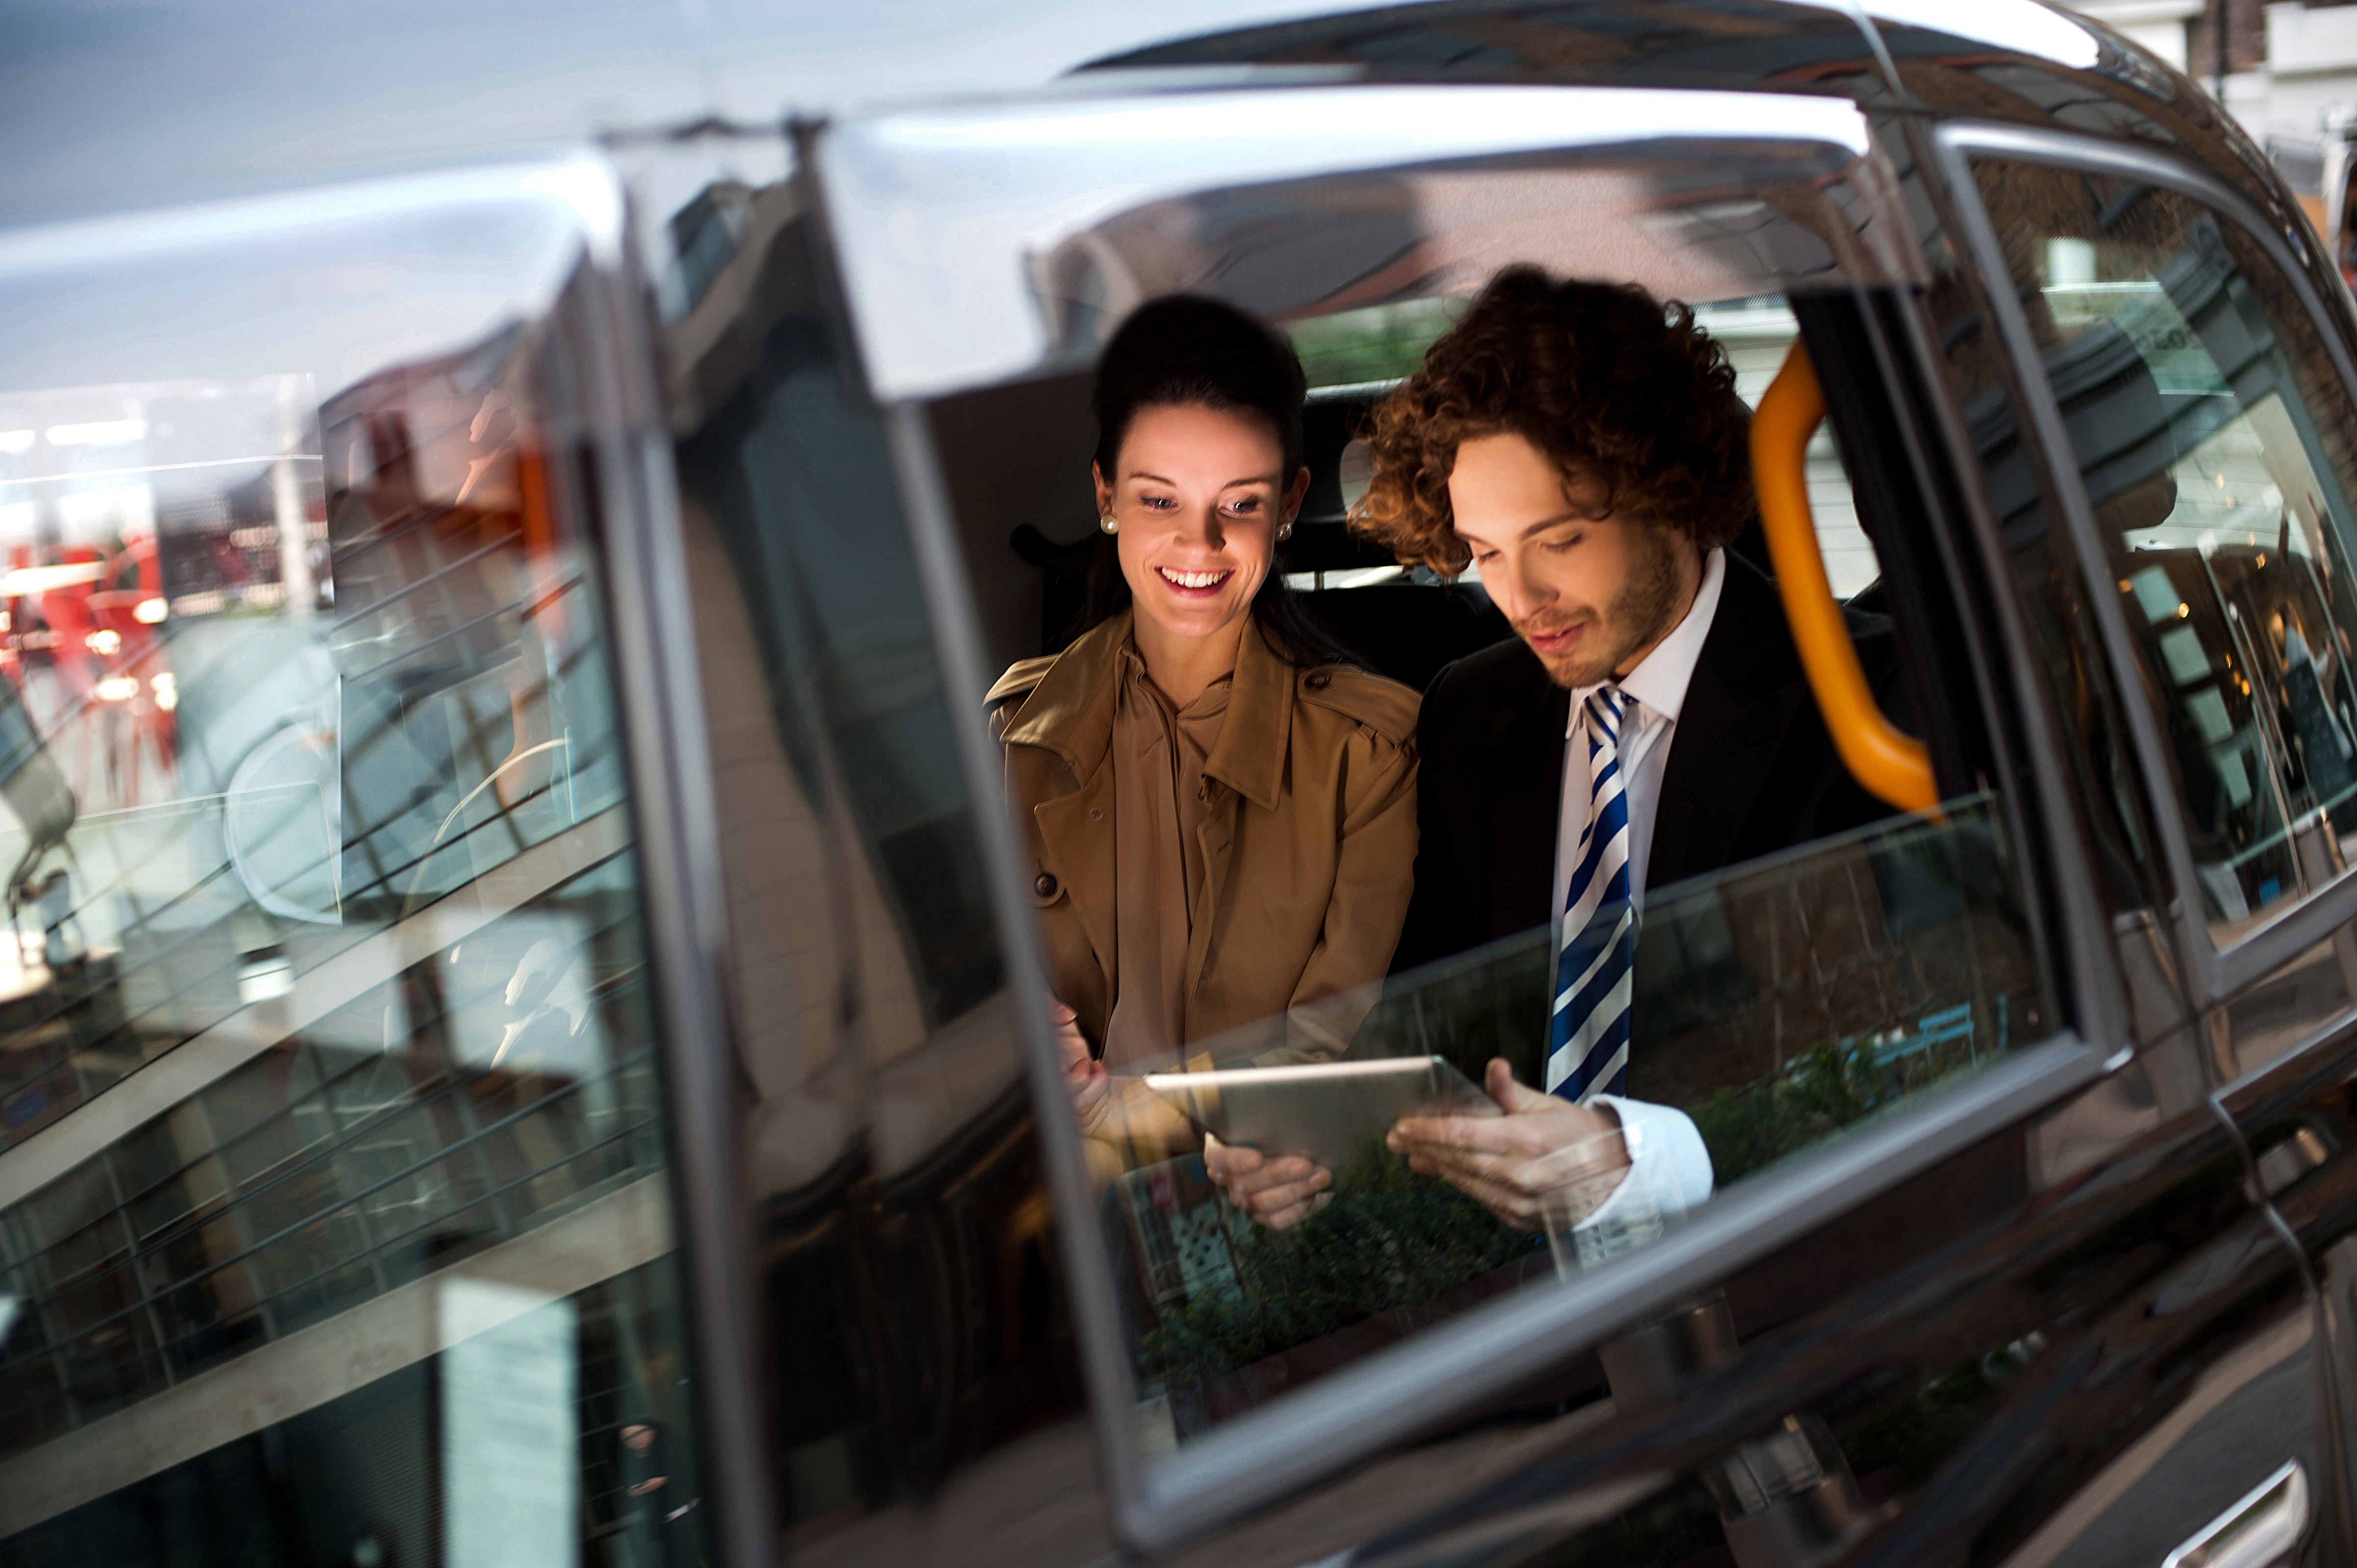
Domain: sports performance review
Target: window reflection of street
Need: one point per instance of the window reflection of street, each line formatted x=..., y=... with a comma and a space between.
x=1783, y=1003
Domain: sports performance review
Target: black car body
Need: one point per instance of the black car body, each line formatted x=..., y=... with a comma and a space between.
x=531, y=1057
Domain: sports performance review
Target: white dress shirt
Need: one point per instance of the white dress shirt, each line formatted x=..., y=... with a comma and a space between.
x=1667, y=1160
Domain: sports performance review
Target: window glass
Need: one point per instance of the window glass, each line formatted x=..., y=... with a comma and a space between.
x=2209, y=426
x=333, y=1216
x=1778, y=1004
x=1788, y=996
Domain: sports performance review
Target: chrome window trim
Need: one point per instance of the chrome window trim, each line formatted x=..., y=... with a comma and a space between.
x=915, y=187
x=637, y=535
x=2219, y=973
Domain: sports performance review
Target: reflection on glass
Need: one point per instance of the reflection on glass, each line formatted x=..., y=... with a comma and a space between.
x=1778, y=1004
x=323, y=1017
x=2210, y=433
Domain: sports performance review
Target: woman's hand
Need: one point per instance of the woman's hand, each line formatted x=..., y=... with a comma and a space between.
x=1084, y=1077
x=1510, y=1163
x=1277, y=1193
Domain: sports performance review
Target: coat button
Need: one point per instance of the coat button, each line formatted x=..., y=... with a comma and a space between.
x=1318, y=679
x=1044, y=885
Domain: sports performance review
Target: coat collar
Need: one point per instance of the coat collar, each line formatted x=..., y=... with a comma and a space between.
x=1070, y=712
x=1249, y=756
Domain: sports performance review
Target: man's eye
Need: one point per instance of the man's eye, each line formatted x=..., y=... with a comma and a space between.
x=1557, y=546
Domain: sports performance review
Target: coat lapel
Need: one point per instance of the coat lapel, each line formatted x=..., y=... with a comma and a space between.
x=1246, y=765
x=1525, y=805
x=1746, y=688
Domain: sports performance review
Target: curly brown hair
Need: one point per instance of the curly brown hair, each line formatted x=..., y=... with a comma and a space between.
x=1601, y=377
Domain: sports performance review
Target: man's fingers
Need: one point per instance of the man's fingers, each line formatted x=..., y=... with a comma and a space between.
x=1515, y=1207
x=1473, y=1133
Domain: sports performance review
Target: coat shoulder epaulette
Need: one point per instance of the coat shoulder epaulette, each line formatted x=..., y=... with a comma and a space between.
x=1007, y=693
x=1383, y=705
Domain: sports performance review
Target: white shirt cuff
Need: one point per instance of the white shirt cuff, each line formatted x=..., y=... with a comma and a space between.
x=1667, y=1161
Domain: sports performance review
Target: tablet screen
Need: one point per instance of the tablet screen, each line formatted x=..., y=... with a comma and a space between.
x=1333, y=1113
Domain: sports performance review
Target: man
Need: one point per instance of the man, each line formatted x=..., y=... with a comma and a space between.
x=1583, y=446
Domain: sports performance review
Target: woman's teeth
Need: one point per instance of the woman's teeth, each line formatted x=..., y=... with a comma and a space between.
x=1193, y=579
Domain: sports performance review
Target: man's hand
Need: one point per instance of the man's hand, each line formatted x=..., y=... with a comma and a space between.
x=1084, y=1076
x=1278, y=1193
x=1510, y=1163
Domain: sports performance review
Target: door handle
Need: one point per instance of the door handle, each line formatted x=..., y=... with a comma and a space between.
x=2258, y=1532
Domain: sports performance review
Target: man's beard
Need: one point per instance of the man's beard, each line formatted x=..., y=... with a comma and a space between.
x=1642, y=614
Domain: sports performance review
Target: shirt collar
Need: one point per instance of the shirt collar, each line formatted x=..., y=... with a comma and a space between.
x=1660, y=681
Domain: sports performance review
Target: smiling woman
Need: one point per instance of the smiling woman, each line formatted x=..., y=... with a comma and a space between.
x=1221, y=809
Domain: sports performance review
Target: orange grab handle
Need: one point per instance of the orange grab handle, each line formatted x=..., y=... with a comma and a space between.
x=1892, y=765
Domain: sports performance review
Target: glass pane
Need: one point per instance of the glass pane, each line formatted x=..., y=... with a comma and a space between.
x=1781, y=1003
x=2209, y=425
x=326, y=1065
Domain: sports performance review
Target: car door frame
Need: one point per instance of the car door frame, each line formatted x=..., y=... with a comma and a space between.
x=1352, y=1414
x=2217, y=975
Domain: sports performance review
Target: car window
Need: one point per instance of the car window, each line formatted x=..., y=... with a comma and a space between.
x=334, y=1216
x=2209, y=426
x=1780, y=1003
x=1783, y=999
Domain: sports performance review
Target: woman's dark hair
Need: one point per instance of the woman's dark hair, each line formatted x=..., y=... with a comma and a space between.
x=1185, y=352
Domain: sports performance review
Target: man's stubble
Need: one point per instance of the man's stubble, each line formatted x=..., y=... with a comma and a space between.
x=1645, y=612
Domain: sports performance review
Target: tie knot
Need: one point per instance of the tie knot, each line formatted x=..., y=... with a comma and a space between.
x=1607, y=706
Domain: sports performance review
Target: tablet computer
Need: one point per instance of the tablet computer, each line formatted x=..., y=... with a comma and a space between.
x=1331, y=1112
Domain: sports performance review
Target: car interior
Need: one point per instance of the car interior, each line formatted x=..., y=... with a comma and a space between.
x=1779, y=1001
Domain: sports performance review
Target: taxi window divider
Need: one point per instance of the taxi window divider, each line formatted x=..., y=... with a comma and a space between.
x=1356, y=1413
x=2219, y=973
x=1944, y=528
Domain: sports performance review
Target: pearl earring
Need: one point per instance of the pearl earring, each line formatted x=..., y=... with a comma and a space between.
x=1108, y=524
x=1283, y=532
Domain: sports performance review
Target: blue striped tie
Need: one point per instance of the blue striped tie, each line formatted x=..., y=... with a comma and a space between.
x=1587, y=1039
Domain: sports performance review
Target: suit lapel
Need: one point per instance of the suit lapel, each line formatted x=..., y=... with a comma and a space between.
x=1525, y=795
x=1746, y=688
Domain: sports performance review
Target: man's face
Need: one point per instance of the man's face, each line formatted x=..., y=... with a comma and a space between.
x=1591, y=591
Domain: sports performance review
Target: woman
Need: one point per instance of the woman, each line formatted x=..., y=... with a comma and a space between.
x=1220, y=810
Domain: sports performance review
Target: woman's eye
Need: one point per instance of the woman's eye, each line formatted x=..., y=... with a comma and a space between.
x=1557, y=546
x=1156, y=504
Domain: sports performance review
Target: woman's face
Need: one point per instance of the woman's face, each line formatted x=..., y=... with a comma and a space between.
x=1199, y=496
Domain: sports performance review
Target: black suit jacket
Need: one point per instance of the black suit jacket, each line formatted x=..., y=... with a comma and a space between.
x=1752, y=771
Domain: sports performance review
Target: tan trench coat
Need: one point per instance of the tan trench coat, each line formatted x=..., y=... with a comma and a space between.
x=1308, y=842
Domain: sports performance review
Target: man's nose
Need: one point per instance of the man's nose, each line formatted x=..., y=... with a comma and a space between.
x=1514, y=594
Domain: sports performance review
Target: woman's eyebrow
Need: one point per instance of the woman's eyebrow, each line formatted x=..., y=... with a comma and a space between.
x=1140, y=474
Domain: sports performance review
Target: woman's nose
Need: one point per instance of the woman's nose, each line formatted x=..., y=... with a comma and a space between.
x=1203, y=525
